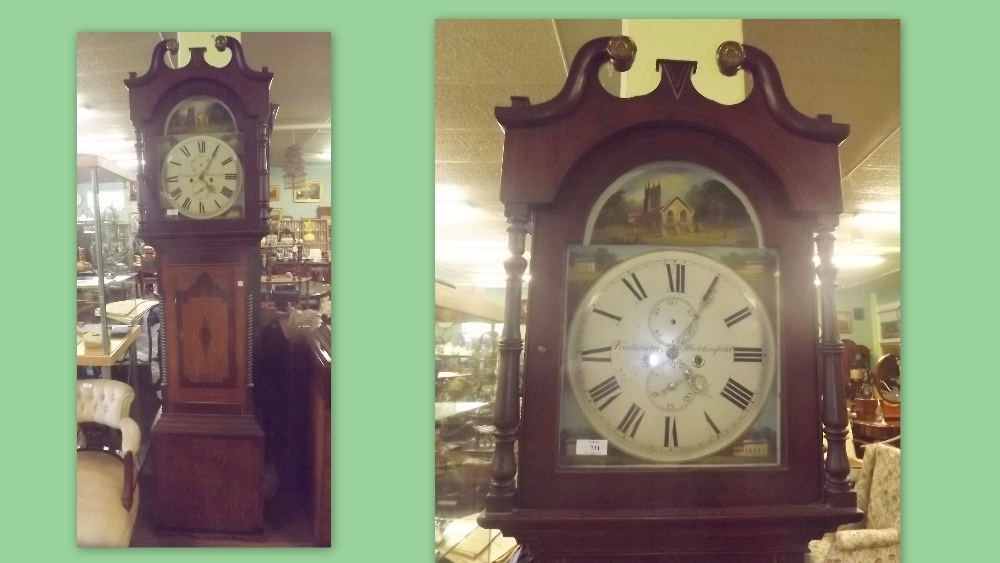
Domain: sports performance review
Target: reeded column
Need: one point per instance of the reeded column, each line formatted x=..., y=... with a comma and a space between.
x=831, y=350
x=507, y=410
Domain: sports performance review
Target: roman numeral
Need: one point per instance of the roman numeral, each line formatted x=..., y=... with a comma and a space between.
x=201, y=207
x=176, y=193
x=641, y=293
x=675, y=277
x=670, y=433
x=595, y=351
x=748, y=354
x=230, y=176
x=227, y=192
x=187, y=203
x=227, y=161
x=615, y=318
x=631, y=421
x=737, y=394
x=603, y=389
x=737, y=316
x=175, y=163
x=201, y=146
x=711, y=423
x=217, y=204
x=185, y=151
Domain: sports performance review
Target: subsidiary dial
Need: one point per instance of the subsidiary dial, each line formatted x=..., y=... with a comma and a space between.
x=669, y=318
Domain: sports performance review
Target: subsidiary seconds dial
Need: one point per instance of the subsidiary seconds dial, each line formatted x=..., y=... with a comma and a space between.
x=201, y=177
x=670, y=356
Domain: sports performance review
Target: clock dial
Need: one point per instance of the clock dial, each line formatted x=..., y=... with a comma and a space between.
x=670, y=356
x=202, y=177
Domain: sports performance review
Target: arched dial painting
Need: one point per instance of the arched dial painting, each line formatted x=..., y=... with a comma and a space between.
x=201, y=175
x=671, y=338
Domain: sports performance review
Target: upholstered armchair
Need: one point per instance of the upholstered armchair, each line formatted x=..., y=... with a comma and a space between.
x=876, y=538
x=107, y=497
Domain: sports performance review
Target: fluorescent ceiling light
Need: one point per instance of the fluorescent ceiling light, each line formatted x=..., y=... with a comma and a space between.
x=853, y=260
x=448, y=192
x=102, y=138
x=473, y=255
x=877, y=220
x=881, y=206
x=453, y=211
x=493, y=281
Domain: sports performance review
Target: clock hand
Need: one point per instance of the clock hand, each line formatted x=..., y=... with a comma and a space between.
x=689, y=331
x=696, y=381
x=207, y=166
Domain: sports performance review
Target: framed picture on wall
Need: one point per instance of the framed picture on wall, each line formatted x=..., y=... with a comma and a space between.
x=273, y=192
x=845, y=324
x=890, y=349
x=310, y=191
x=276, y=214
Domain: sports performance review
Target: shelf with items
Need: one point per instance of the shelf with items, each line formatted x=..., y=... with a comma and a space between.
x=311, y=234
x=106, y=289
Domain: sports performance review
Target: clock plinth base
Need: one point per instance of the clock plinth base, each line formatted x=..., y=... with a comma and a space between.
x=208, y=473
x=776, y=534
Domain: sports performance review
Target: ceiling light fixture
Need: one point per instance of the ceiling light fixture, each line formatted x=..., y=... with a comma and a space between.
x=478, y=254
x=877, y=220
x=294, y=168
x=456, y=211
x=494, y=281
x=854, y=260
x=448, y=192
x=881, y=206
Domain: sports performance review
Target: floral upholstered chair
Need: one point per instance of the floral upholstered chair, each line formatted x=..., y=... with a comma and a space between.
x=876, y=538
x=107, y=497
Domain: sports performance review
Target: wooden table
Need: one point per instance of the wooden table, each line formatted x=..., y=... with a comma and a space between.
x=95, y=357
x=868, y=432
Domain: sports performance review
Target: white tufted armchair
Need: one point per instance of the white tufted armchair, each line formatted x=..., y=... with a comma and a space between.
x=876, y=538
x=107, y=497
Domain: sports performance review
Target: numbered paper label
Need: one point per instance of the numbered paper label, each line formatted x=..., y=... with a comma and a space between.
x=591, y=447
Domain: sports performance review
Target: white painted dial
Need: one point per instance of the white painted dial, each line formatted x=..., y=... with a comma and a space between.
x=202, y=177
x=671, y=356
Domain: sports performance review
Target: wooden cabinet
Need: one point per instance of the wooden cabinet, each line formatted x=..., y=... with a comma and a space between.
x=296, y=412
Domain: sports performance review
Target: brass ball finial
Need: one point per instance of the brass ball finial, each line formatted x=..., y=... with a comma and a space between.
x=173, y=46
x=730, y=57
x=622, y=51
x=220, y=43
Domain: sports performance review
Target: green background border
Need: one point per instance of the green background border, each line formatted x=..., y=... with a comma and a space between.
x=383, y=99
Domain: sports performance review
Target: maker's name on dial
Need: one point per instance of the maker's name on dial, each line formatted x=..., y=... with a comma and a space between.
x=627, y=346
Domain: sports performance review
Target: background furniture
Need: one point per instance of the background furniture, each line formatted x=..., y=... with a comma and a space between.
x=876, y=538
x=293, y=402
x=107, y=495
x=887, y=385
x=147, y=275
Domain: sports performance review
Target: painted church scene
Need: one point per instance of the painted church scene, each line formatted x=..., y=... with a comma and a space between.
x=673, y=203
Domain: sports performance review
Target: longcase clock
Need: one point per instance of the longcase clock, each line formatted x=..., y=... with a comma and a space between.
x=674, y=397
x=202, y=143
